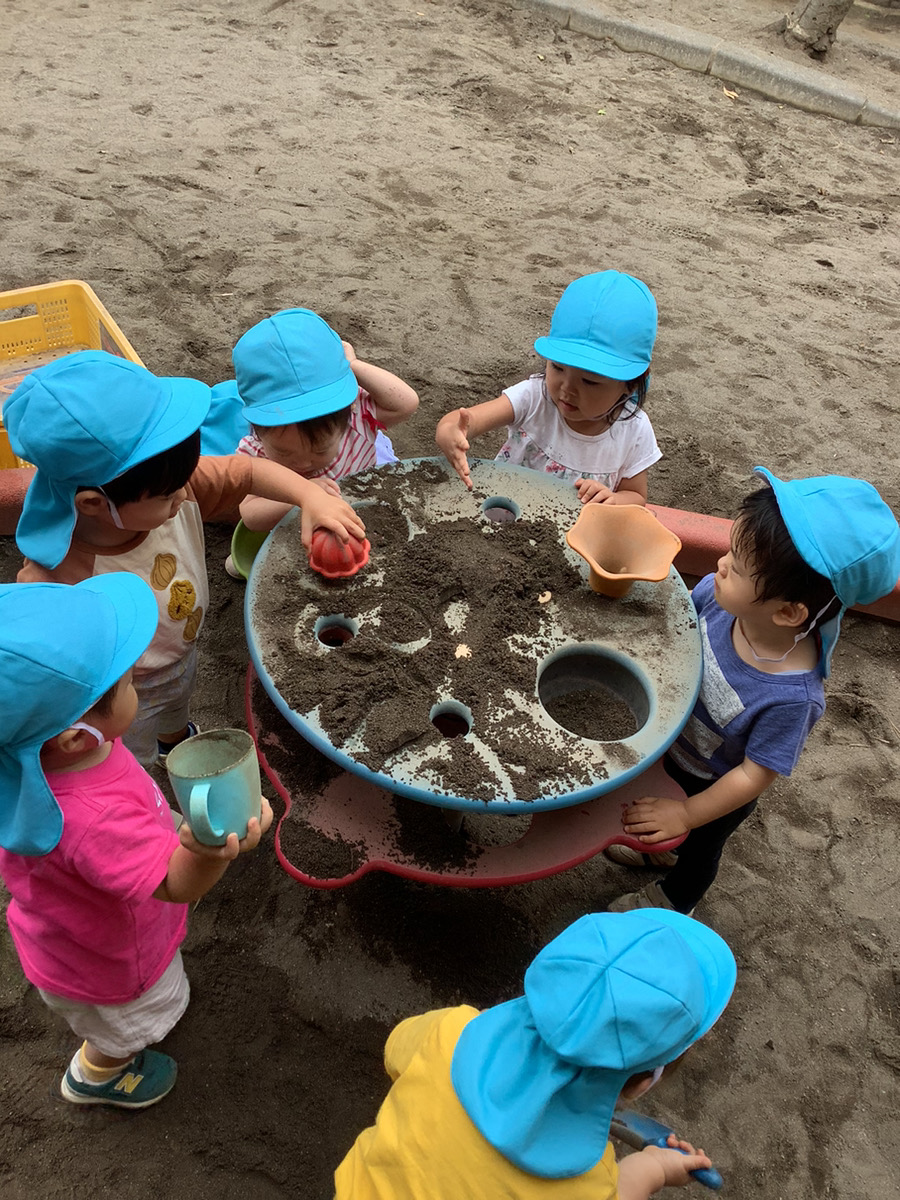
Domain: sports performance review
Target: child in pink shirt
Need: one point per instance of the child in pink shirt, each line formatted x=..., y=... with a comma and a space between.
x=99, y=880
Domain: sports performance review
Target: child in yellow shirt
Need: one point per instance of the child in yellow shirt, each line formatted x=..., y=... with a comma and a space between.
x=516, y=1101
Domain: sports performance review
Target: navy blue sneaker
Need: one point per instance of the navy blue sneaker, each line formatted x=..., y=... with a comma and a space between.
x=163, y=748
x=147, y=1078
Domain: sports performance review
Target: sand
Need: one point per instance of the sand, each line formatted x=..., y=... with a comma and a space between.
x=429, y=176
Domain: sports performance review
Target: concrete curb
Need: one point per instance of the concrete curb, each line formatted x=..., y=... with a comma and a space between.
x=801, y=87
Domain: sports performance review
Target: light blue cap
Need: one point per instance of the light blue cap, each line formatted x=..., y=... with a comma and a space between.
x=225, y=423
x=83, y=420
x=292, y=367
x=614, y=994
x=62, y=647
x=843, y=529
x=604, y=323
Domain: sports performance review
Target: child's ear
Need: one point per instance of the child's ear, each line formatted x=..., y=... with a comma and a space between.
x=91, y=503
x=631, y=1091
x=791, y=614
x=70, y=741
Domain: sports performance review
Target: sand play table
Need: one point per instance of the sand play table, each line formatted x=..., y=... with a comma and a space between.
x=441, y=729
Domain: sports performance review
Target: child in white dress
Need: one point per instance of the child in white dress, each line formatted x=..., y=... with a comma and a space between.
x=582, y=419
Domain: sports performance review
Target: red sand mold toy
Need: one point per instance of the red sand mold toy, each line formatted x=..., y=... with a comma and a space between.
x=336, y=559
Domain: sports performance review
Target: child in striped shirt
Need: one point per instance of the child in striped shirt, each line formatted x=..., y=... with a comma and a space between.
x=312, y=405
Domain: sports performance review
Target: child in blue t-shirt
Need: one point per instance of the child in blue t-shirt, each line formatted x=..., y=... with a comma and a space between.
x=802, y=552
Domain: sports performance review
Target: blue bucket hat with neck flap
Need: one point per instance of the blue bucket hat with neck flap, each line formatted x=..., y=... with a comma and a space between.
x=62, y=646
x=292, y=367
x=84, y=420
x=604, y=323
x=615, y=994
x=843, y=529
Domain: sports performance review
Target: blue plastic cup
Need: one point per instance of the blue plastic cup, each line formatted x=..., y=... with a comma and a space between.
x=215, y=777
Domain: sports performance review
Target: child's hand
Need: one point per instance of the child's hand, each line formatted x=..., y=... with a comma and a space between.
x=233, y=847
x=656, y=819
x=329, y=486
x=592, y=491
x=322, y=510
x=349, y=352
x=678, y=1162
x=265, y=818
x=452, y=437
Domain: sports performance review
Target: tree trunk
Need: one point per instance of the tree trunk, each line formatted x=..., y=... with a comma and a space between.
x=814, y=23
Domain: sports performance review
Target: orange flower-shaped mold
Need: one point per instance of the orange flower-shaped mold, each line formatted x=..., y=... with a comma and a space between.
x=622, y=543
x=336, y=559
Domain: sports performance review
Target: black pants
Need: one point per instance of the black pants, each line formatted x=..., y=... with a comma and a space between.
x=699, y=853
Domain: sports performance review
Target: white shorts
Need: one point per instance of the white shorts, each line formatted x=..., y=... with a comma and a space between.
x=164, y=706
x=121, y=1030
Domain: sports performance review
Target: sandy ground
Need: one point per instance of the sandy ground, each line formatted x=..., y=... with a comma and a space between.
x=429, y=176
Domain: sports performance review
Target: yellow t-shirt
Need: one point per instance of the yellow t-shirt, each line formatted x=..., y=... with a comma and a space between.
x=423, y=1145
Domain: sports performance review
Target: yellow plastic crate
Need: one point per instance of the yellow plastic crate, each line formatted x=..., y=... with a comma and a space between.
x=39, y=324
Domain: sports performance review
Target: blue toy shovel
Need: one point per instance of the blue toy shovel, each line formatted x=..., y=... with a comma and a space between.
x=637, y=1130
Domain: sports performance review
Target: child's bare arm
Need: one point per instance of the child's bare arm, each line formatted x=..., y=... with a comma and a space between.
x=455, y=429
x=260, y=514
x=657, y=818
x=271, y=481
x=642, y=1175
x=394, y=399
x=195, y=867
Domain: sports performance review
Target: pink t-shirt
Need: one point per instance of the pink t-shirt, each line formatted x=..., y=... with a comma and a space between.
x=356, y=451
x=83, y=917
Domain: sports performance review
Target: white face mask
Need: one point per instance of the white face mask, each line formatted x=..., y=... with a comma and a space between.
x=90, y=729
